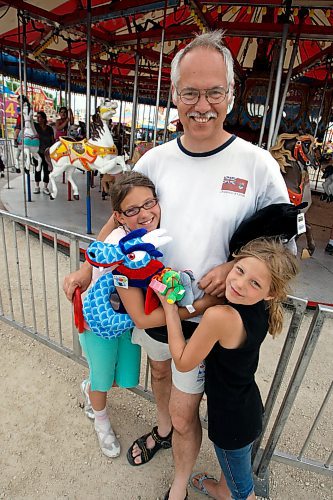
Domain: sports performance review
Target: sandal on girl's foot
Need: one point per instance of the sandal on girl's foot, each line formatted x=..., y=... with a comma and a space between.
x=147, y=453
x=166, y=497
x=200, y=477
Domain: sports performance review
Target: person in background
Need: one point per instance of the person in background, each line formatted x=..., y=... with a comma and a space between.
x=46, y=139
x=62, y=123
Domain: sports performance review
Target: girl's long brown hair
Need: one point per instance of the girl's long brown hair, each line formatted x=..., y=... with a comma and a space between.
x=282, y=265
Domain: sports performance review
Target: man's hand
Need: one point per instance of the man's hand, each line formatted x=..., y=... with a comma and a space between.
x=213, y=283
x=80, y=278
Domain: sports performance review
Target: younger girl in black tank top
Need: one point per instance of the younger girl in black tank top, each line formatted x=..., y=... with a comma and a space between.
x=229, y=336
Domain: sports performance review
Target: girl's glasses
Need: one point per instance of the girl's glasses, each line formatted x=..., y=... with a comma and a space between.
x=130, y=212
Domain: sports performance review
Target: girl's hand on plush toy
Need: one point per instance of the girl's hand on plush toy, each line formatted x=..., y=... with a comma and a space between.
x=164, y=300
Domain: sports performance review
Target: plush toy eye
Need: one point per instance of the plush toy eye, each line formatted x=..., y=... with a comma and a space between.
x=136, y=256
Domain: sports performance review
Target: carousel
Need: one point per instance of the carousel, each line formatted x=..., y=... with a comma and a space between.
x=122, y=52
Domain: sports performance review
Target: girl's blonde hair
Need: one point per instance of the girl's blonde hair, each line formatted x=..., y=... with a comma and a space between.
x=282, y=265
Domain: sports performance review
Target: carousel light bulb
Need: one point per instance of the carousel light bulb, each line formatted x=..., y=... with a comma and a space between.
x=204, y=8
x=249, y=9
x=264, y=11
x=328, y=13
x=295, y=12
x=311, y=13
x=219, y=9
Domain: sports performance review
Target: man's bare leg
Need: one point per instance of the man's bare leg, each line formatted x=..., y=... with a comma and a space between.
x=186, y=438
x=161, y=386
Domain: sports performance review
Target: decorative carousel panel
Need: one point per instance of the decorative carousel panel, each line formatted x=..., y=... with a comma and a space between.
x=294, y=108
x=253, y=102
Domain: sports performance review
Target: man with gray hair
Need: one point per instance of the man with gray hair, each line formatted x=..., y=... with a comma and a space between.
x=207, y=181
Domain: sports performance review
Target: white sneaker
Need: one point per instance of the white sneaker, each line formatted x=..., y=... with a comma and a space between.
x=108, y=442
x=46, y=190
x=36, y=190
x=88, y=410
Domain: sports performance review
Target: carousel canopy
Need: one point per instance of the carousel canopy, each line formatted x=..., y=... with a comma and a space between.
x=53, y=34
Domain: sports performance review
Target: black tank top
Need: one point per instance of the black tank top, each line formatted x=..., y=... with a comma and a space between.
x=234, y=403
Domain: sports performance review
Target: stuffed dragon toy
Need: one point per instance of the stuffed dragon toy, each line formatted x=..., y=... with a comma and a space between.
x=135, y=263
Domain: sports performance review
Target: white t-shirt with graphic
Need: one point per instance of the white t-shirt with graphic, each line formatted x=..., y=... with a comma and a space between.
x=204, y=197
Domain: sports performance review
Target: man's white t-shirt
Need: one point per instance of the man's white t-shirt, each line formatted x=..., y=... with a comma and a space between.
x=204, y=197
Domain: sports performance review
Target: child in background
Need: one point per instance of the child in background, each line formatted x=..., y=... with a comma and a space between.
x=229, y=337
x=135, y=206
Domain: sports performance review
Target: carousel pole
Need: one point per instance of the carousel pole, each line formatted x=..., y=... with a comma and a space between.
x=68, y=106
x=96, y=90
x=69, y=75
x=120, y=112
x=135, y=101
x=160, y=74
x=278, y=77
x=5, y=128
x=167, y=113
x=321, y=105
x=24, y=26
x=21, y=106
x=88, y=106
x=110, y=78
x=149, y=121
x=269, y=89
x=286, y=88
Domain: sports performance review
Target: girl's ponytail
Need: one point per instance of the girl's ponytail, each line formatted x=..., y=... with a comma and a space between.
x=275, y=321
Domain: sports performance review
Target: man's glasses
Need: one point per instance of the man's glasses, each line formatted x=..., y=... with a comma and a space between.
x=130, y=212
x=215, y=95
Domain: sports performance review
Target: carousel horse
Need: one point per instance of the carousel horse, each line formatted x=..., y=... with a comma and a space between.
x=97, y=153
x=30, y=142
x=294, y=153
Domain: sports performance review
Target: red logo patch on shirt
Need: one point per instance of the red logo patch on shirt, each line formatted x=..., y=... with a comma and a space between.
x=234, y=184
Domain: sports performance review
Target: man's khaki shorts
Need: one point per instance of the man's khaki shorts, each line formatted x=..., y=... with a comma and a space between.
x=191, y=382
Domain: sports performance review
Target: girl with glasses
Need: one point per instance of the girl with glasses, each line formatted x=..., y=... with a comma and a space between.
x=117, y=360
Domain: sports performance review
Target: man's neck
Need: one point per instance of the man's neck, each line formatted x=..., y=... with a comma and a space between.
x=204, y=146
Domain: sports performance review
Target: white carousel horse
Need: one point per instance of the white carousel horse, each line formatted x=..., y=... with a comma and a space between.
x=96, y=153
x=31, y=141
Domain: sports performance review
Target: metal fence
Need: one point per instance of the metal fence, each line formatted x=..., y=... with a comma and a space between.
x=35, y=259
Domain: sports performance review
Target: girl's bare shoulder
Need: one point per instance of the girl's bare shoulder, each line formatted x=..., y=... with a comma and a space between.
x=228, y=325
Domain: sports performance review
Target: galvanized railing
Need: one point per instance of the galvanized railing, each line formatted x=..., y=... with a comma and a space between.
x=35, y=259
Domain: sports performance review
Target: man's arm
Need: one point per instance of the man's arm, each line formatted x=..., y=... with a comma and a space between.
x=82, y=277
